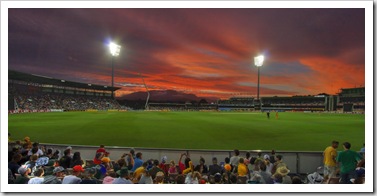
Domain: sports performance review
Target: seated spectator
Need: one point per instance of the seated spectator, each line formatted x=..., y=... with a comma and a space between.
x=74, y=178
x=35, y=150
x=227, y=166
x=277, y=178
x=38, y=176
x=23, y=178
x=160, y=177
x=172, y=168
x=283, y=171
x=296, y=180
x=193, y=177
x=153, y=171
x=215, y=168
x=88, y=176
x=11, y=178
x=315, y=178
x=278, y=163
x=124, y=177
x=102, y=168
x=182, y=166
x=55, y=178
x=31, y=163
x=201, y=168
x=110, y=177
x=146, y=178
x=180, y=179
x=139, y=171
x=189, y=169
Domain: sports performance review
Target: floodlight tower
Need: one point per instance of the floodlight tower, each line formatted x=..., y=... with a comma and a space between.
x=258, y=61
x=114, y=50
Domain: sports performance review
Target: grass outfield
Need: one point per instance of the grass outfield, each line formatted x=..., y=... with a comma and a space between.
x=192, y=130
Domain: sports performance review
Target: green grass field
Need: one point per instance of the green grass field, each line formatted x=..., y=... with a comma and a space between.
x=192, y=130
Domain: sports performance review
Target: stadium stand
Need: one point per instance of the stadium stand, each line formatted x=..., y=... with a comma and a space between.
x=33, y=93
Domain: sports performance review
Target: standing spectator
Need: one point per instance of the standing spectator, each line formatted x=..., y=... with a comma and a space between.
x=268, y=163
x=215, y=168
x=76, y=160
x=38, y=176
x=153, y=171
x=70, y=154
x=247, y=158
x=13, y=164
x=65, y=161
x=234, y=160
x=23, y=178
x=329, y=160
x=182, y=166
x=201, y=168
x=362, y=150
x=348, y=160
x=124, y=177
x=242, y=169
x=56, y=176
x=266, y=175
x=278, y=163
x=272, y=157
x=74, y=178
x=163, y=166
x=138, y=161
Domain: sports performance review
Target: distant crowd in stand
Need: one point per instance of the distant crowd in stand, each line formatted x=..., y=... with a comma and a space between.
x=31, y=163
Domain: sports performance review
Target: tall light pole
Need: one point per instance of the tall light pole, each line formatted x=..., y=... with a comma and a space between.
x=258, y=61
x=114, y=50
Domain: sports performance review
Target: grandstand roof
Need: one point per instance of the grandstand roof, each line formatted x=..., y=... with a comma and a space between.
x=15, y=75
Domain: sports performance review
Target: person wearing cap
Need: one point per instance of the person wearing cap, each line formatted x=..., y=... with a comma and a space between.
x=124, y=177
x=88, y=176
x=74, y=178
x=159, y=179
x=163, y=165
x=55, y=178
x=103, y=168
x=38, y=176
x=23, y=178
x=215, y=168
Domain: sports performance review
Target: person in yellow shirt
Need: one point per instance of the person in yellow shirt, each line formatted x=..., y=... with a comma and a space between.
x=329, y=160
x=242, y=168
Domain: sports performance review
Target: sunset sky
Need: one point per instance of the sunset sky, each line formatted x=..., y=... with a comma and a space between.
x=207, y=52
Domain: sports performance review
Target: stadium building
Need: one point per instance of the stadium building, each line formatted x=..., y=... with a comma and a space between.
x=35, y=93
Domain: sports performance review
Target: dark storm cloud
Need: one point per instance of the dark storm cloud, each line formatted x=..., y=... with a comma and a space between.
x=192, y=48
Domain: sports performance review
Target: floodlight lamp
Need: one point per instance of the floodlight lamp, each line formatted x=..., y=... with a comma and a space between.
x=258, y=61
x=114, y=49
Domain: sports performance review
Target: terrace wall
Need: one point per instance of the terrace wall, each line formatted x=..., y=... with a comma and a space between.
x=297, y=162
